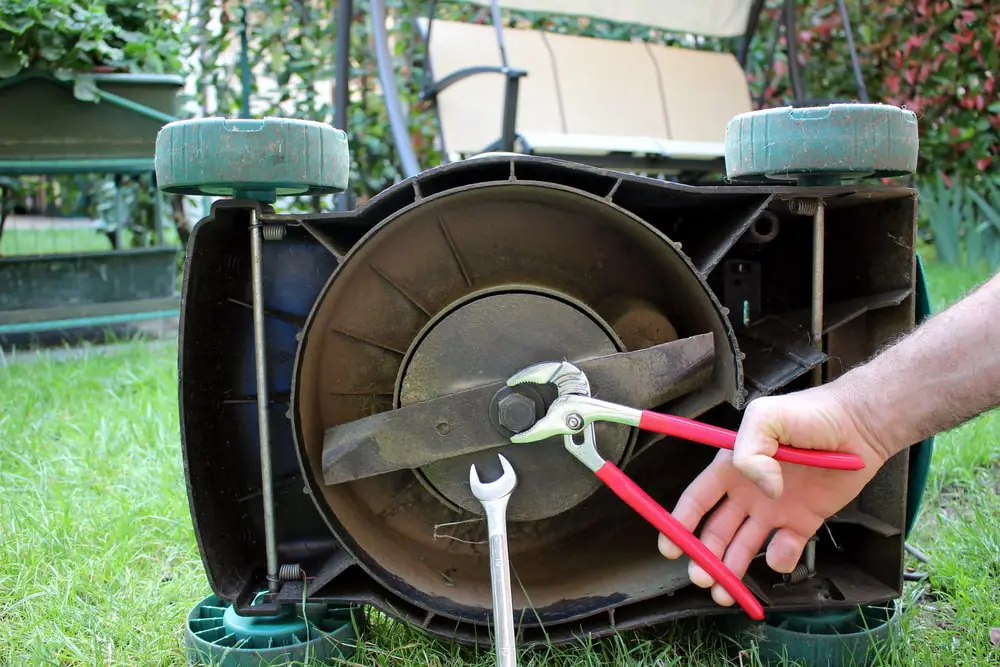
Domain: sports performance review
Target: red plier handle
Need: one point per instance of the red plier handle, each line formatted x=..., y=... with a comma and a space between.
x=664, y=522
x=723, y=438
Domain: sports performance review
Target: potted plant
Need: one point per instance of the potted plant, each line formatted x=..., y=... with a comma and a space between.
x=64, y=65
x=84, y=90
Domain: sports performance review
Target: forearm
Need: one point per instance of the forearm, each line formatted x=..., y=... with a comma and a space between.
x=941, y=375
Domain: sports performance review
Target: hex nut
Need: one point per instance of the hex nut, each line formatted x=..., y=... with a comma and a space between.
x=516, y=412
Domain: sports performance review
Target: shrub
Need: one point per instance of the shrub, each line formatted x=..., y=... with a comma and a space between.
x=939, y=58
x=72, y=39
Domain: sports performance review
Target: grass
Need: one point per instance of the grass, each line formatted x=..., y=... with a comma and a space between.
x=99, y=566
x=45, y=241
x=18, y=241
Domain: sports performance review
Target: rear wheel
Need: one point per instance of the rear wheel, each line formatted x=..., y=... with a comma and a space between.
x=216, y=635
x=257, y=159
x=825, y=144
x=842, y=638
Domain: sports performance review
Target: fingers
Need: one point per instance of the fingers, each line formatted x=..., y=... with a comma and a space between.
x=756, y=444
x=716, y=535
x=785, y=550
x=740, y=553
x=700, y=496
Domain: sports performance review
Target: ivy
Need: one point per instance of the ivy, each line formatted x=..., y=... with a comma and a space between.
x=73, y=39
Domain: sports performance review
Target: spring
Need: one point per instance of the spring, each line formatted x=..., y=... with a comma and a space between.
x=273, y=232
x=799, y=574
x=289, y=571
x=803, y=206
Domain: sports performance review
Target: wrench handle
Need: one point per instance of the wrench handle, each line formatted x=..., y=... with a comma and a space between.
x=663, y=521
x=503, y=602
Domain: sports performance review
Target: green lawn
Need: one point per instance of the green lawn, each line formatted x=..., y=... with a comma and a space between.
x=46, y=241
x=98, y=563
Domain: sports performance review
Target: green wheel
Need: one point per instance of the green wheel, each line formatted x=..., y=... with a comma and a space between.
x=259, y=159
x=824, y=144
x=854, y=637
x=216, y=635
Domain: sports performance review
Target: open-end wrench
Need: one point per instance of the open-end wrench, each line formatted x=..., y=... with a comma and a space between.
x=494, y=497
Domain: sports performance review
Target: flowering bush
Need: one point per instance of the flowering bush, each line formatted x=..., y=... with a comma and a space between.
x=939, y=58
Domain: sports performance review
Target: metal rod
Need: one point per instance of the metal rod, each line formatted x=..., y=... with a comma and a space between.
x=791, y=49
x=157, y=210
x=819, y=231
x=263, y=427
x=752, y=22
x=852, y=49
x=120, y=212
x=342, y=83
x=245, y=77
x=390, y=94
x=498, y=28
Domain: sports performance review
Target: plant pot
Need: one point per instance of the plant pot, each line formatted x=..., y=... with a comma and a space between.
x=44, y=128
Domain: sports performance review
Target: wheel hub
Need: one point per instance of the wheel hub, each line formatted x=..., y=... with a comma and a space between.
x=519, y=327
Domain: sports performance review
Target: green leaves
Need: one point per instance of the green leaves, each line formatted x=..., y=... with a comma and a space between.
x=84, y=88
x=71, y=36
x=962, y=218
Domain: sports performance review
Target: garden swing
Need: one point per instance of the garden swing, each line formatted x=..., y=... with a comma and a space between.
x=624, y=105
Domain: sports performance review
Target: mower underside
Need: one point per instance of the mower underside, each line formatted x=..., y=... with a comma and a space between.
x=390, y=331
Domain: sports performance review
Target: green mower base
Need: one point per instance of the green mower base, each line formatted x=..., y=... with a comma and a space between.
x=837, y=638
x=218, y=637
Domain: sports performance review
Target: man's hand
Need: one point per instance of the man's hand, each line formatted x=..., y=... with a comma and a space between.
x=940, y=375
x=760, y=494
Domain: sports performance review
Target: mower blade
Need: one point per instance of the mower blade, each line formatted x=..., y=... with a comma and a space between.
x=459, y=424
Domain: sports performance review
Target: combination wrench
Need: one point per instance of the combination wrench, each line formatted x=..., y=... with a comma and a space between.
x=494, y=497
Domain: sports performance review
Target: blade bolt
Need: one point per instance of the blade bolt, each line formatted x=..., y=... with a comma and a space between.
x=516, y=412
x=574, y=421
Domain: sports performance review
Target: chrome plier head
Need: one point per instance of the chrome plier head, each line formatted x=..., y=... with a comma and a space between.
x=568, y=379
x=566, y=415
x=575, y=409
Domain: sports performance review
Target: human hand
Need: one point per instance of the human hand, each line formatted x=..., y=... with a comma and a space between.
x=760, y=494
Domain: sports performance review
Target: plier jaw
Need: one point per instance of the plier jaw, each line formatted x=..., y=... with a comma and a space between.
x=573, y=417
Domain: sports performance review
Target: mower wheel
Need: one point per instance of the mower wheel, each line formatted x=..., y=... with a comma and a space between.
x=216, y=635
x=822, y=145
x=836, y=638
x=256, y=159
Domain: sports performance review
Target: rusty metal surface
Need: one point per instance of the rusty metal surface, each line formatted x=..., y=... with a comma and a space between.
x=450, y=356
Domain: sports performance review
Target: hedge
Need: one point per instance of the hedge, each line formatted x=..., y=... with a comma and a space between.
x=940, y=59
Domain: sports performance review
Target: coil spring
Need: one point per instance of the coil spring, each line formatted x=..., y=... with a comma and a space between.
x=799, y=574
x=289, y=571
x=273, y=232
x=804, y=206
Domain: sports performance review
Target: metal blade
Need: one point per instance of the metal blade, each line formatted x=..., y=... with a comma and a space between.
x=459, y=424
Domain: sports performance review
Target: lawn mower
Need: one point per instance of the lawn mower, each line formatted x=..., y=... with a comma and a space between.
x=340, y=372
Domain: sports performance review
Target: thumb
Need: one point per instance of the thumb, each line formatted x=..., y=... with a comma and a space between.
x=755, y=446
